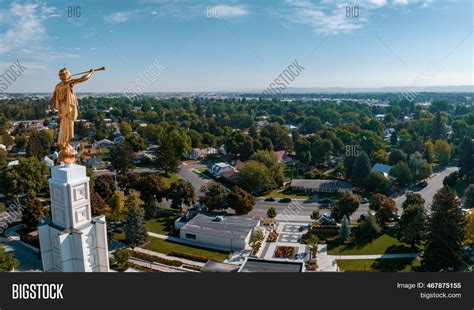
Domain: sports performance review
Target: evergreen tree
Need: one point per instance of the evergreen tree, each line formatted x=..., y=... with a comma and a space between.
x=136, y=232
x=344, y=229
x=439, y=129
x=167, y=157
x=466, y=161
x=446, y=233
x=361, y=169
x=413, y=224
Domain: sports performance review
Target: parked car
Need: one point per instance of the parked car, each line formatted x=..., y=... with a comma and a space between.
x=270, y=199
x=365, y=200
x=324, y=200
x=285, y=200
x=423, y=184
x=326, y=219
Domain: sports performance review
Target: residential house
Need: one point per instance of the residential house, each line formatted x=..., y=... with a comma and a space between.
x=382, y=168
x=319, y=186
x=219, y=168
x=283, y=157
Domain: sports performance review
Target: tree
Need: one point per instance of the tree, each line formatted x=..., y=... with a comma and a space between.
x=32, y=214
x=130, y=181
x=469, y=197
x=39, y=143
x=369, y=228
x=377, y=182
x=413, y=224
x=136, y=142
x=413, y=199
x=7, y=261
x=152, y=189
x=136, y=232
x=466, y=161
x=344, y=229
x=122, y=157
x=270, y=160
x=446, y=233
x=105, y=186
x=419, y=166
x=387, y=212
x=256, y=237
x=214, y=196
x=3, y=158
x=118, y=211
x=315, y=215
x=121, y=257
x=442, y=150
x=29, y=177
x=395, y=156
x=181, y=193
x=98, y=205
x=470, y=228
x=451, y=179
x=439, y=128
x=402, y=173
x=240, y=201
x=271, y=212
x=376, y=202
x=361, y=169
x=167, y=157
x=125, y=128
x=346, y=205
x=255, y=177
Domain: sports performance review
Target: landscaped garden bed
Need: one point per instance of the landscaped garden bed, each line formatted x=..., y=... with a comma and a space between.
x=285, y=252
x=272, y=236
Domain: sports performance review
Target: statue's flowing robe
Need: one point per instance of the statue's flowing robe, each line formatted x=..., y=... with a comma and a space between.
x=66, y=103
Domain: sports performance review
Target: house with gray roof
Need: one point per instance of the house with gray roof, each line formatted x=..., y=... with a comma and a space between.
x=319, y=186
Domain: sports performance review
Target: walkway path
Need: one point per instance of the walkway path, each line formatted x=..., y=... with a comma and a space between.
x=329, y=262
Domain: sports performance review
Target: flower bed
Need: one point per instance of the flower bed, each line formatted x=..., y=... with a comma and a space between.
x=256, y=248
x=156, y=259
x=285, y=252
x=272, y=237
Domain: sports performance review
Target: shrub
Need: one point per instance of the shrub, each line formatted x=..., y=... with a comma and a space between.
x=156, y=259
x=189, y=256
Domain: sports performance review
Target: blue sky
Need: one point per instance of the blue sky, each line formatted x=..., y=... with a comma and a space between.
x=246, y=46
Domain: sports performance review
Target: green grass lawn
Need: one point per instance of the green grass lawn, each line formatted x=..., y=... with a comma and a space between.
x=118, y=236
x=384, y=244
x=163, y=224
x=387, y=265
x=169, y=179
x=287, y=192
x=166, y=247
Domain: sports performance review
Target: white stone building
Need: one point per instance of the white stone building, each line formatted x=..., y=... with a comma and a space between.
x=73, y=241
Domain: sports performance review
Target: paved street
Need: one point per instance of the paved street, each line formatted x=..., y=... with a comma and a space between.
x=435, y=183
x=186, y=173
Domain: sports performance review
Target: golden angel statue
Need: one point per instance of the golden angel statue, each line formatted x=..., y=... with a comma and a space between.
x=65, y=101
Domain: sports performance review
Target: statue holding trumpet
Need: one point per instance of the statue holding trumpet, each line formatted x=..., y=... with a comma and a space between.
x=64, y=100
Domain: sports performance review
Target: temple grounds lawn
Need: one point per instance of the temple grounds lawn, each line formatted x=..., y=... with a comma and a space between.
x=387, y=265
x=162, y=224
x=167, y=247
x=384, y=244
